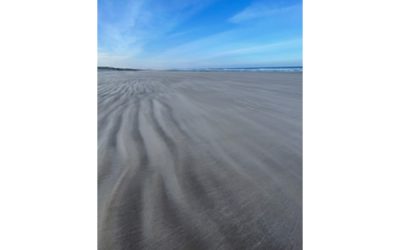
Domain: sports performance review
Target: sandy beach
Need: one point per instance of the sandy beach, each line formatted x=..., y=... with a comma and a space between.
x=199, y=160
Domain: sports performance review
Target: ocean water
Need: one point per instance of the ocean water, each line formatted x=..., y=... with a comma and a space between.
x=246, y=69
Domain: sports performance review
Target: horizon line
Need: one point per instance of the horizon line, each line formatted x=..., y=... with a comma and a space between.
x=180, y=68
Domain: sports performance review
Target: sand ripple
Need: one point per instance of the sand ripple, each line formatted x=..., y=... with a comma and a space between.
x=199, y=160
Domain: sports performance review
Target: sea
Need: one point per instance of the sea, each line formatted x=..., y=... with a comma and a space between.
x=246, y=69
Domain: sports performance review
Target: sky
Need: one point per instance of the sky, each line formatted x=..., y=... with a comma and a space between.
x=167, y=34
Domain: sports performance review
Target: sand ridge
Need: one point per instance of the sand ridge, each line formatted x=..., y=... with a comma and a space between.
x=199, y=160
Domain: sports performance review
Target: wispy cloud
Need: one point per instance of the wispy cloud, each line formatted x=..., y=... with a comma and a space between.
x=181, y=33
x=264, y=10
x=217, y=51
x=124, y=29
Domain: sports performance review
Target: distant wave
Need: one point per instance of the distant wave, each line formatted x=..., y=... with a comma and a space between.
x=247, y=69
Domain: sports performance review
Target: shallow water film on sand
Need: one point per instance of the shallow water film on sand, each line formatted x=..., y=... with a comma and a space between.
x=199, y=160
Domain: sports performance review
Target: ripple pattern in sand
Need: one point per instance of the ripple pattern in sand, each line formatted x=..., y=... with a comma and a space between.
x=204, y=160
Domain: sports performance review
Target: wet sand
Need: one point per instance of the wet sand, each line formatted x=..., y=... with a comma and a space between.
x=199, y=160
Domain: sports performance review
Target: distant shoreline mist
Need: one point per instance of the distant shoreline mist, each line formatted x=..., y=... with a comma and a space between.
x=116, y=69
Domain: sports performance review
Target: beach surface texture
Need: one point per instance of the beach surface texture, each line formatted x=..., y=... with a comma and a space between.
x=199, y=160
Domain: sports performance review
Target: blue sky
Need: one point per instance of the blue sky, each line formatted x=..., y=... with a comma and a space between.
x=164, y=34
